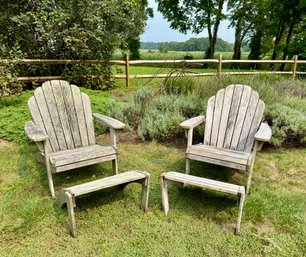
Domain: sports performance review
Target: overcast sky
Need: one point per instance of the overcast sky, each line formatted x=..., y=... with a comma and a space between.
x=158, y=30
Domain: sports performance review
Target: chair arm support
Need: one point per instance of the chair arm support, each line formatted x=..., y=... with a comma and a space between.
x=264, y=133
x=108, y=121
x=189, y=125
x=193, y=122
x=34, y=133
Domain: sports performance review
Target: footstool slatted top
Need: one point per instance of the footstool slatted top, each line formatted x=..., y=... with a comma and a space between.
x=107, y=182
x=204, y=182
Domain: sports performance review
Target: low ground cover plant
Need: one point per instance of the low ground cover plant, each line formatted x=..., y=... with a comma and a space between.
x=155, y=112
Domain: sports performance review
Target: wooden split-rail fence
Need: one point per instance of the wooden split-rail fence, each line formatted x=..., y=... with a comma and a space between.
x=183, y=63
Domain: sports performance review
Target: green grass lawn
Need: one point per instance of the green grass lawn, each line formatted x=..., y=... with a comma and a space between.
x=111, y=223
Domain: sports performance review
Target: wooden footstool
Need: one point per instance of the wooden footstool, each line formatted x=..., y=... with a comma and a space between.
x=67, y=195
x=181, y=178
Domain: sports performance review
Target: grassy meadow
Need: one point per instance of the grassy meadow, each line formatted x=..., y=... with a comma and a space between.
x=111, y=223
x=176, y=55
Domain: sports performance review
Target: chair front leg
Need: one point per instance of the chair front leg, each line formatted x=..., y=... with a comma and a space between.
x=115, y=166
x=49, y=174
x=187, y=166
x=251, y=166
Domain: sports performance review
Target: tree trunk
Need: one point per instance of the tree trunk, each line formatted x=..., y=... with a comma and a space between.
x=255, y=46
x=279, y=34
x=288, y=39
x=237, y=44
x=213, y=36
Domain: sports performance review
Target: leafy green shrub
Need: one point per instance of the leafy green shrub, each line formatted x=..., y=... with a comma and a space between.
x=9, y=85
x=80, y=74
x=161, y=121
x=288, y=125
x=291, y=88
x=179, y=85
x=160, y=126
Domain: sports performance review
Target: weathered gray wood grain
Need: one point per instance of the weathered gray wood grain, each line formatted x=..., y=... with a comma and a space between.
x=193, y=122
x=34, y=133
x=108, y=121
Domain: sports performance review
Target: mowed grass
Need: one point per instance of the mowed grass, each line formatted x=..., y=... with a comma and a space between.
x=111, y=223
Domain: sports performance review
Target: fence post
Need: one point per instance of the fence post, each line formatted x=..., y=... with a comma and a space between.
x=294, y=66
x=219, y=71
x=127, y=69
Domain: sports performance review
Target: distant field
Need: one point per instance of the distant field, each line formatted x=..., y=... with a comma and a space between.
x=175, y=55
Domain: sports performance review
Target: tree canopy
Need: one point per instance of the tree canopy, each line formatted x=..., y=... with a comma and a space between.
x=271, y=27
x=70, y=29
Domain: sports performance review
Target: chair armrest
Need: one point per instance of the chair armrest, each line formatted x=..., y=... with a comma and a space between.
x=193, y=122
x=34, y=133
x=108, y=121
x=264, y=133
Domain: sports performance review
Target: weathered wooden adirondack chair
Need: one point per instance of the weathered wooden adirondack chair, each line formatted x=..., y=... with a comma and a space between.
x=233, y=134
x=62, y=128
x=233, y=130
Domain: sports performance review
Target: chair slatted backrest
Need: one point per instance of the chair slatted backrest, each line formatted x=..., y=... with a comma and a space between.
x=233, y=116
x=64, y=114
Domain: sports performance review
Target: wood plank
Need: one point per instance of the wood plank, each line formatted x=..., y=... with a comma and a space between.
x=220, y=154
x=217, y=162
x=42, y=105
x=217, y=117
x=54, y=115
x=38, y=121
x=61, y=107
x=193, y=122
x=233, y=115
x=119, y=179
x=78, y=104
x=255, y=125
x=209, y=119
x=204, y=183
x=264, y=133
x=248, y=121
x=80, y=154
x=244, y=103
x=71, y=113
x=108, y=121
x=88, y=119
x=34, y=133
x=84, y=163
x=228, y=96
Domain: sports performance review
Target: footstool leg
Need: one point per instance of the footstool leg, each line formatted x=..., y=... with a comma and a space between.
x=165, y=199
x=70, y=207
x=145, y=192
x=241, y=202
x=115, y=166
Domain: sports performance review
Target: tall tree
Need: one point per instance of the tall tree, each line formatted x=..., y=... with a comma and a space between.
x=195, y=16
x=239, y=16
x=133, y=42
x=70, y=29
x=287, y=15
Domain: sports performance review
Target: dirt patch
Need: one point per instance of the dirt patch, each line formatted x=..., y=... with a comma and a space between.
x=122, y=136
x=265, y=228
x=4, y=143
x=133, y=138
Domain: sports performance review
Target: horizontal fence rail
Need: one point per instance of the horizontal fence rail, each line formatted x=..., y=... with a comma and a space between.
x=184, y=63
